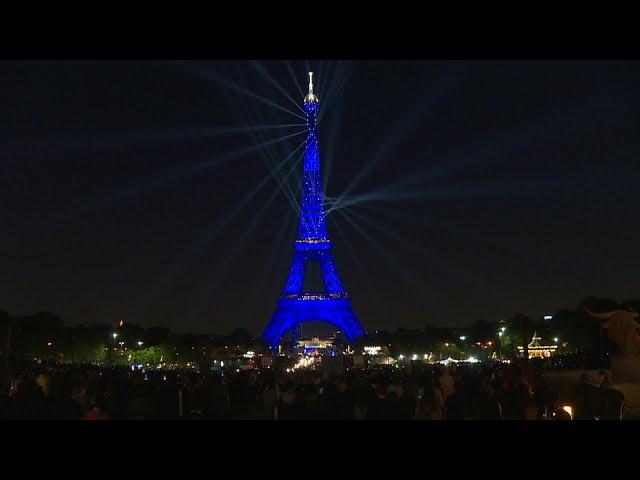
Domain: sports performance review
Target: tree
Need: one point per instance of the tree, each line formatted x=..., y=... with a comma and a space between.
x=241, y=336
x=157, y=335
x=482, y=330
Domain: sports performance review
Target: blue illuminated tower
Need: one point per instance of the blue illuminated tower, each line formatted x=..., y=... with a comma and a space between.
x=295, y=306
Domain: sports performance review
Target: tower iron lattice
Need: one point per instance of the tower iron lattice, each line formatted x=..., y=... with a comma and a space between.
x=296, y=306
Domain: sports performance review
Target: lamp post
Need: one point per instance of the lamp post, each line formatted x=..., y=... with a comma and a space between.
x=111, y=354
x=140, y=343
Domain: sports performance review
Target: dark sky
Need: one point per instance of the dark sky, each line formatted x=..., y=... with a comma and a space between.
x=511, y=187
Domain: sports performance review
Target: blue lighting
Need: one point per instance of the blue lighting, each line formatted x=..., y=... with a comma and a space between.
x=313, y=245
x=312, y=221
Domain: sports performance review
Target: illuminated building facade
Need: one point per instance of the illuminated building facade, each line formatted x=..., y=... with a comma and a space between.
x=315, y=345
x=537, y=350
x=296, y=306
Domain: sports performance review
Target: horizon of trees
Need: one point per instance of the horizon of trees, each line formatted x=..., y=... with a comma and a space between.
x=44, y=335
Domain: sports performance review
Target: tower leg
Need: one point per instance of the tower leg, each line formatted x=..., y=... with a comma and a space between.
x=292, y=312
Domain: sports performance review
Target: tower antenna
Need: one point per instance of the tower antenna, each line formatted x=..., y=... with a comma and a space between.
x=310, y=97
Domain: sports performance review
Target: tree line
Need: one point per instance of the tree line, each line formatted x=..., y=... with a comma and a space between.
x=45, y=336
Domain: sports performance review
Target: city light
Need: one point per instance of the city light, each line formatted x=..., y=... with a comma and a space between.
x=548, y=317
x=140, y=343
x=500, y=334
x=503, y=329
x=555, y=339
x=49, y=344
x=463, y=338
x=115, y=335
x=374, y=350
x=414, y=357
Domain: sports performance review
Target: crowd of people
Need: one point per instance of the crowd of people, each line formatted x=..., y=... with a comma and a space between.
x=469, y=392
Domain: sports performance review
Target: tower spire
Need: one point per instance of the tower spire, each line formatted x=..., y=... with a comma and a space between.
x=310, y=97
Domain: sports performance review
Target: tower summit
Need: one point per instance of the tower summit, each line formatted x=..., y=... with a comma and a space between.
x=296, y=306
x=311, y=98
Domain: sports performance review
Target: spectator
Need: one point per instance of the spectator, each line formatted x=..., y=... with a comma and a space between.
x=587, y=399
x=612, y=401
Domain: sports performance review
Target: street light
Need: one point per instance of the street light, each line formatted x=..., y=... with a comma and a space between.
x=115, y=335
x=463, y=338
x=500, y=333
x=555, y=339
x=140, y=343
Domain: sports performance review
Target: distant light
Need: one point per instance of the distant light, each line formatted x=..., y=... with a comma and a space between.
x=500, y=334
x=463, y=338
x=503, y=329
x=400, y=357
x=569, y=410
x=49, y=344
x=548, y=317
x=472, y=360
x=446, y=344
x=555, y=339
x=140, y=343
x=373, y=350
x=415, y=357
x=115, y=335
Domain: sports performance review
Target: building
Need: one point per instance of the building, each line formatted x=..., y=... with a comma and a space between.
x=537, y=350
x=314, y=345
x=298, y=304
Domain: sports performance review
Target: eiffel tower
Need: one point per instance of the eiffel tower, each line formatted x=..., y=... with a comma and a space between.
x=296, y=306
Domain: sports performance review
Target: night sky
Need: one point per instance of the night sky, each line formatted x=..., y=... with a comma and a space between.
x=483, y=189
